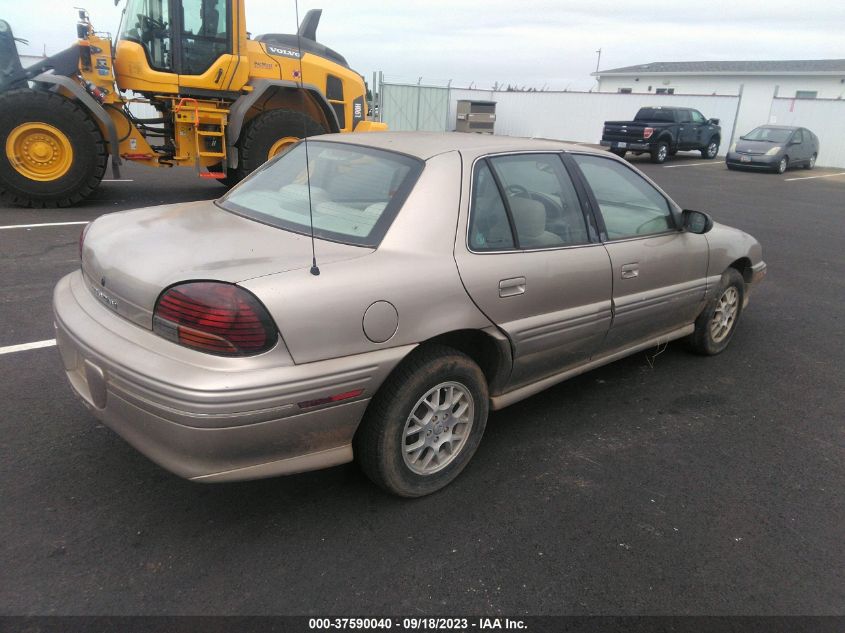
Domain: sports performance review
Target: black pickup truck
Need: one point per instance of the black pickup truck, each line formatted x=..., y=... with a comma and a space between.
x=662, y=131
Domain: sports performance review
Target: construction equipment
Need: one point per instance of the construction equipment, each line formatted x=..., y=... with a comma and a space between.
x=225, y=102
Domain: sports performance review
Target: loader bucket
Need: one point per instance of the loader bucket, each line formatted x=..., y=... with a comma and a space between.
x=11, y=71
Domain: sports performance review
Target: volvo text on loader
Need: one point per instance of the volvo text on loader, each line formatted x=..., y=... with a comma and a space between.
x=226, y=102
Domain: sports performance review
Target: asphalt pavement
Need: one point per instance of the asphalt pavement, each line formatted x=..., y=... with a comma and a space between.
x=665, y=483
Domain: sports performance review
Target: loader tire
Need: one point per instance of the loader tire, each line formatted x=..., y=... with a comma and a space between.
x=52, y=153
x=268, y=133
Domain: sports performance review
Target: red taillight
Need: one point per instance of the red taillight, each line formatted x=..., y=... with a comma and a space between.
x=214, y=317
x=648, y=132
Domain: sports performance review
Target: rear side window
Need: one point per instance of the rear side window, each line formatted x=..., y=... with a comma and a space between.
x=630, y=206
x=529, y=194
x=542, y=199
x=353, y=195
x=489, y=228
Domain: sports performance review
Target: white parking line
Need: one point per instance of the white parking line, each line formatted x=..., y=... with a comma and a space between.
x=709, y=162
x=812, y=177
x=33, y=226
x=11, y=349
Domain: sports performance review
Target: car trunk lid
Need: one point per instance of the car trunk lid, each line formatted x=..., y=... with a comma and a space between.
x=129, y=258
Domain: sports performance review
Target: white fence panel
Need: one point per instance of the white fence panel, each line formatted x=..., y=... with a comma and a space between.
x=579, y=116
x=825, y=117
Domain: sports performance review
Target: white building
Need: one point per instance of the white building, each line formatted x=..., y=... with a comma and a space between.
x=758, y=82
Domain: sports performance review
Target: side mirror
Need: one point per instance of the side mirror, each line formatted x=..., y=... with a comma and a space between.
x=713, y=121
x=697, y=221
x=795, y=142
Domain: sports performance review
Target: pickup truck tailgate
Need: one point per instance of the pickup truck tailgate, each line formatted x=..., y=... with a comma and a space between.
x=623, y=131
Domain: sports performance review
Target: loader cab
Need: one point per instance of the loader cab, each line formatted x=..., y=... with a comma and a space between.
x=178, y=37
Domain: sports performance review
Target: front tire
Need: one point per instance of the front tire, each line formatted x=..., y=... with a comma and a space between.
x=711, y=150
x=269, y=133
x=715, y=326
x=781, y=167
x=425, y=423
x=53, y=154
x=660, y=152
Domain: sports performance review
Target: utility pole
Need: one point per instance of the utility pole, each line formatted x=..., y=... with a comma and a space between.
x=598, y=61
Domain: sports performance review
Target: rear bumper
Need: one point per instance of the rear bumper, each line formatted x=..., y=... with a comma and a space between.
x=209, y=418
x=635, y=146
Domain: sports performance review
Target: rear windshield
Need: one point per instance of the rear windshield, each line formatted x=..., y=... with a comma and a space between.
x=353, y=195
x=655, y=114
x=771, y=134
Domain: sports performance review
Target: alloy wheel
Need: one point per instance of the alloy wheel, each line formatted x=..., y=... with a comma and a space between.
x=725, y=314
x=438, y=428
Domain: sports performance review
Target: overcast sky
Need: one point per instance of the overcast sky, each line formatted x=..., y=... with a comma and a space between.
x=537, y=44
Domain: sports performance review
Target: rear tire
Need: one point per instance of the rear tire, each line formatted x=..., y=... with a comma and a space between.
x=660, y=152
x=384, y=443
x=266, y=130
x=711, y=150
x=811, y=163
x=40, y=130
x=619, y=152
x=715, y=326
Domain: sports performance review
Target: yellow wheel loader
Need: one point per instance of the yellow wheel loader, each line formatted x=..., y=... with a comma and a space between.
x=225, y=102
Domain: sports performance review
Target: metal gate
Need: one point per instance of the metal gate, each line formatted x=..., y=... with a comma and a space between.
x=414, y=107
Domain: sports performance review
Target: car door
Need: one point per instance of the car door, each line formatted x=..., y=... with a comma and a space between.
x=659, y=270
x=686, y=131
x=532, y=262
x=797, y=148
x=698, y=127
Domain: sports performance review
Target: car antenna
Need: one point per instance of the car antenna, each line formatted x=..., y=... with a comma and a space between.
x=315, y=270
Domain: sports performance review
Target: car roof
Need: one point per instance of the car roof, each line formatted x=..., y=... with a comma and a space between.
x=424, y=145
x=780, y=127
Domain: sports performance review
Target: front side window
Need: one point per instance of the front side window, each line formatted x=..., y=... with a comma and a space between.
x=630, y=206
x=147, y=22
x=353, y=195
x=205, y=34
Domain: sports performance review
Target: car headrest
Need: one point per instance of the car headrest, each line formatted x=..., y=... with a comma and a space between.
x=529, y=217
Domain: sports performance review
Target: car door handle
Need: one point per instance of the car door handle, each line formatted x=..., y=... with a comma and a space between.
x=512, y=287
x=630, y=271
